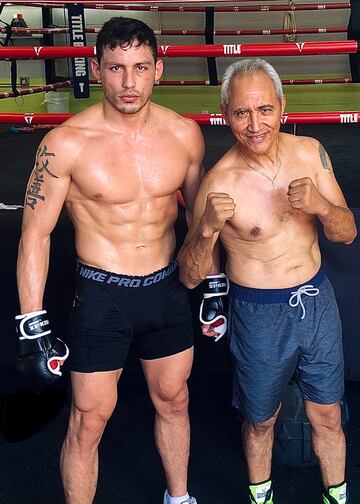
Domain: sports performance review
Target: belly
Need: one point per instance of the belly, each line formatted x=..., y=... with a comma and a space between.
x=282, y=258
x=136, y=239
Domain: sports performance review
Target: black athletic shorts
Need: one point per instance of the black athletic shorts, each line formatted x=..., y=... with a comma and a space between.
x=112, y=310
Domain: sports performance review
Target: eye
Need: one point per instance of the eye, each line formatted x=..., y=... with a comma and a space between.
x=265, y=110
x=141, y=67
x=115, y=68
x=241, y=113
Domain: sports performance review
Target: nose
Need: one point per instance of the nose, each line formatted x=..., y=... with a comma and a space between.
x=254, y=122
x=128, y=79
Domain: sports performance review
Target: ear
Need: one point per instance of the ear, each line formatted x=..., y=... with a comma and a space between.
x=159, y=67
x=223, y=111
x=283, y=105
x=95, y=68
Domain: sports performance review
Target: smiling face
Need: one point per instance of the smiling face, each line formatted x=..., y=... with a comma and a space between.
x=254, y=112
x=127, y=75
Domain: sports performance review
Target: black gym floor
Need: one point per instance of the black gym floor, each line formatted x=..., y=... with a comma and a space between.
x=33, y=422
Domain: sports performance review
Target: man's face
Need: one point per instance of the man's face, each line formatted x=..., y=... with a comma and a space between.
x=254, y=111
x=127, y=76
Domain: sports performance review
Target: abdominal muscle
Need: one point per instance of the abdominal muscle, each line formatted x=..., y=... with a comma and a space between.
x=134, y=239
x=275, y=262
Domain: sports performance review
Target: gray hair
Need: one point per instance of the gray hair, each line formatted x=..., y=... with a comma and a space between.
x=249, y=66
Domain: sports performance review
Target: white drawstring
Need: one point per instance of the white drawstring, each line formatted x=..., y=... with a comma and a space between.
x=295, y=299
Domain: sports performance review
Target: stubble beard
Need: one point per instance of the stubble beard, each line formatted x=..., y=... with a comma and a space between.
x=127, y=108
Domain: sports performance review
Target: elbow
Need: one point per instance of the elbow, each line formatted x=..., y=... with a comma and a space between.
x=30, y=241
x=352, y=232
x=351, y=238
x=345, y=233
x=345, y=239
x=351, y=235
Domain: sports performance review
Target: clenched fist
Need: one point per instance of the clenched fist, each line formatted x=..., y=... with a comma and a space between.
x=303, y=195
x=220, y=207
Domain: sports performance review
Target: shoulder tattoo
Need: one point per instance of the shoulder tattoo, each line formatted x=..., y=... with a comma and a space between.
x=325, y=161
x=42, y=162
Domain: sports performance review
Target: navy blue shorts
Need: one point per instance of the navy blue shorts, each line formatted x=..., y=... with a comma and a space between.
x=278, y=333
x=112, y=310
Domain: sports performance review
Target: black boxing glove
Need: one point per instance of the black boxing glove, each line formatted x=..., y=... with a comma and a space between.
x=212, y=307
x=40, y=353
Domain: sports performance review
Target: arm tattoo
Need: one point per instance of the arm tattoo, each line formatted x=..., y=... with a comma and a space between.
x=33, y=194
x=324, y=158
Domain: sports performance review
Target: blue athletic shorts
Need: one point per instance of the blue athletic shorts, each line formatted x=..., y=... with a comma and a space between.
x=278, y=333
x=112, y=311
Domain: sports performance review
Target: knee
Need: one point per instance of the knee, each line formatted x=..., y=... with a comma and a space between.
x=259, y=429
x=171, y=398
x=86, y=427
x=325, y=418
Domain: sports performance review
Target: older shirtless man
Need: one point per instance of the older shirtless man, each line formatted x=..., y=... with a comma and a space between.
x=117, y=167
x=264, y=198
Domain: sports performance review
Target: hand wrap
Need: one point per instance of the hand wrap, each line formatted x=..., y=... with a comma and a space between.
x=212, y=309
x=40, y=353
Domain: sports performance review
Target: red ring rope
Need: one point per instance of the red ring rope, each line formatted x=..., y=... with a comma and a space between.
x=291, y=118
x=179, y=51
x=345, y=117
x=265, y=31
x=156, y=8
x=287, y=82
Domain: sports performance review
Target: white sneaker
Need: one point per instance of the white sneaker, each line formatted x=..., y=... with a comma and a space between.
x=190, y=500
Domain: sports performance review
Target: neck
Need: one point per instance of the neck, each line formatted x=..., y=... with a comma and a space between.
x=266, y=161
x=266, y=171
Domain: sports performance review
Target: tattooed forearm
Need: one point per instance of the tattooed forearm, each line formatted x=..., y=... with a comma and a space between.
x=33, y=194
x=325, y=161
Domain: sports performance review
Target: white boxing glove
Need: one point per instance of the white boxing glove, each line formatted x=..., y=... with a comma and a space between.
x=212, y=309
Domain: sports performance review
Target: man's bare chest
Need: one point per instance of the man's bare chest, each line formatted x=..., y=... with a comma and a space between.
x=124, y=171
x=264, y=212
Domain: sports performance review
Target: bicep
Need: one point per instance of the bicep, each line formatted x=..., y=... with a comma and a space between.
x=46, y=190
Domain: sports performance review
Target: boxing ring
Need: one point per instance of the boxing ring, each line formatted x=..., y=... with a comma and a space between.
x=336, y=129
x=170, y=52
x=211, y=51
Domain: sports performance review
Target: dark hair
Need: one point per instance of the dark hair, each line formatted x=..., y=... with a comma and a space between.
x=121, y=31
